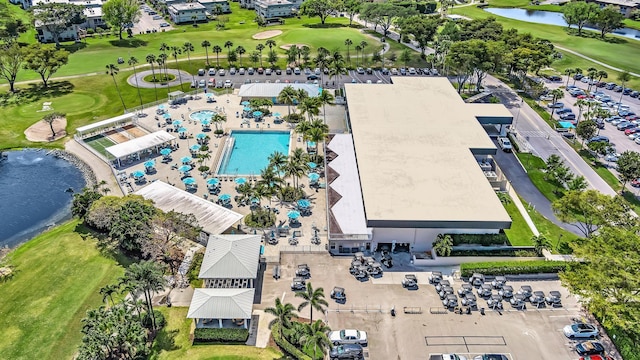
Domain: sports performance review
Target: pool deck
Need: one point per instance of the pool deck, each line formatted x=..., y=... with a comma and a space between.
x=230, y=104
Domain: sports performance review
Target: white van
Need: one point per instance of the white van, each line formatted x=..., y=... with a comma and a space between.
x=505, y=144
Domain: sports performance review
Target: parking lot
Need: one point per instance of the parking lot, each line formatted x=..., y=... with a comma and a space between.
x=148, y=24
x=521, y=334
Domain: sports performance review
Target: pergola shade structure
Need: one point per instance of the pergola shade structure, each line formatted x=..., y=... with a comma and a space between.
x=149, y=143
x=218, y=308
x=105, y=125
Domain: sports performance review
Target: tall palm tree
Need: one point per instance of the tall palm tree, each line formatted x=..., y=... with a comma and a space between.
x=146, y=277
x=175, y=51
x=228, y=44
x=132, y=62
x=283, y=313
x=314, y=298
x=294, y=169
x=217, y=49
x=187, y=48
x=218, y=118
x=206, y=44
x=591, y=73
x=358, y=48
x=363, y=45
x=581, y=103
x=348, y=44
x=624, y=77
x=287, y=96
x=316, y=135
x=315, y=334
x=164, y=47
x=278, y=160
x=270, y=179
x=576, y=71
x=337, y=67
x=107, y=292
x=557, y=94
x=260, y=47
x=152, y=59
x=310, y=106
x=240, y=50
x=602, y=75
x=270, y=43
x=569, y=71
x=303, y=127
x=162, y=62
x=254, y=57
x=113, y=71
x=325, y=99
x=322, y=61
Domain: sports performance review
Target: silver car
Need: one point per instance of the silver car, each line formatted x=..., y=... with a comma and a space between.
x=442, y=284
x=580, y=331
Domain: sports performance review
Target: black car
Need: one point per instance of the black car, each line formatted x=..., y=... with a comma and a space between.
x=278, y=72
x=346, y=351
x=590, y=348
x=554, y=78
x=289, y=71
x=313, y=77
x=599, y=138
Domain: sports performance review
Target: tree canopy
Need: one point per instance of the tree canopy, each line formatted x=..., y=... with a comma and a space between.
x=580, y=13
x=319, y=8
x=120, y=14
x=628, y=167
x=45, y=60
x=58, y=17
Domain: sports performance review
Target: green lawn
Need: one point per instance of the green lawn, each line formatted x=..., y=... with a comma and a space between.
x=519, y=234
x=173, y=342
x=58, y=276
x=534, y=166
x=557, y=236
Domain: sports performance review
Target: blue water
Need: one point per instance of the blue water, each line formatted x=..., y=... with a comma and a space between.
x=551, y=18
x=202, y=115
x=32, y=194
x=252, y=149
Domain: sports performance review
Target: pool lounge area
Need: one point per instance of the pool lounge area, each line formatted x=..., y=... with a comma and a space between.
x=246, y=152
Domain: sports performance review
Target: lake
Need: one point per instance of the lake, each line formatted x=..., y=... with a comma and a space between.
x=33, y=193
x=551, y=18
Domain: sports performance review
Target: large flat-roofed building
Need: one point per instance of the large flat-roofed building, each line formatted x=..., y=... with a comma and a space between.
x=418, y=148
x=273, y=8
x=187, y=12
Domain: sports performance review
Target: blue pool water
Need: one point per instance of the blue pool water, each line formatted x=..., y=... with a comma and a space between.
x=202, y=115
x=251, y=151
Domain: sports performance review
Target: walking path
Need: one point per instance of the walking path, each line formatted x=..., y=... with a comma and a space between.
x=101, y=170
x=137, y=79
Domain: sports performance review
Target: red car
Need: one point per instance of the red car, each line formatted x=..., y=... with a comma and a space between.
x=635, y=183
x=596, y=357
x=631, y=131
x=632, y=117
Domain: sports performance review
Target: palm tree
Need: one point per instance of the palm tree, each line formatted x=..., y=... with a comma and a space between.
x=314, y=298
x=337, y=67
x=132, y=62
x=287, y=96
x=146, y=277
x=577, y=71
x=316, y=135
x=315, y=334
x=540, y=243
x=322, y=60
x=591, y=73
x=363, y=45
x=325, y=98
x=557, y=94
x=581, y=103
x=294, y=169
x=278, y=160
x=569, y=71
x=305, y=51
x=240, y=50
x=310, y=106
x=107, y=292
x=175, y=51
x=303, y=127
x=443, y=245
x=164, y=47
x=624, y=77
x=228, y=44
x=260, y=47
x=187, y=48
x=348, y=43
x=270, y=179
x=206, y=44
x=284, y=313
x=602, y=75
x=358, y=48
x=152, y=59
x=217, y=49
x=162, y=62
x=254, y=57
x=270, y=43
x=113, y=71
x=218, y=118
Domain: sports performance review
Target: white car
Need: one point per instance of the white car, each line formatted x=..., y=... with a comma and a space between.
x=505, y=144
x=348, y=336
x=228, y=84
x=580, y=331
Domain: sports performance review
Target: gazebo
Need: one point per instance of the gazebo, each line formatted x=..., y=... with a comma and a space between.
x=221, y=308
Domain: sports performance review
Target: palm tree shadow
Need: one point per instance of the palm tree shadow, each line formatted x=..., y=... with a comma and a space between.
x=74, y=46
x=165, y=340
x=128, y=43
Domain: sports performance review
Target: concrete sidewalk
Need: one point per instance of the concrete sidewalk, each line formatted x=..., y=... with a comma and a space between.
x=100, y=169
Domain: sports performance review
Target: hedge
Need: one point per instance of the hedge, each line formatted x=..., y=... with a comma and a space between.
x=479, y=239
x=512, y=267
x=495, y=252
x=286, y=346
x=220, y=335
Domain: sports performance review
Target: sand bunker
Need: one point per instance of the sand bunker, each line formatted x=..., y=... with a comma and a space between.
x=266, y=34
x=41, y=131
x=288, y=46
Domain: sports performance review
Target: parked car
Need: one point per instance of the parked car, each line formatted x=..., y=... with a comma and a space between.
x=313, y=77
x=268, y=71
x=599, y=138
x=568, y=117
x=611, y=86
x=348, y=336
x=506, y=291
x=347, y=351
x=446, y=357
x=221, y=72
x=526, y=291
x=465, y=289
x=580, y=331
x=554, y=78
x=412, y=71
x=627, y=91
x=228, y=84
x=202, y=83
x=618, y=88
x=200, y=72
x=612, y=157
x=554, y=298
x=556, y=105
x=288, y=71
x=278, y=72
x=410, y=281
x=625, y=125
x=590, y=348
x=385, y=71
x=491, y=357
x=296, y=71
x=635, y=94
x=212, y=71
x=298, y=284
x=303, y=271
x=632, y=130
x=563, y=111
x=443, y=283
x=518, y=301
x=435, y=277
x=485, y=291
x=394, y=71
x=596, y=357
x=469, y=300
x=546, y=97
x=164, y=24
x=338, y=294
x=450, y=301
x=476, y=279
x=505, y=144
x=578, y=76
x=446, y=291
x=241, y=71
x=232, y=71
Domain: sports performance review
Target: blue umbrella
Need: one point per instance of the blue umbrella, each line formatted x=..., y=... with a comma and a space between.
x=247, y=109
x=224, y=197
x=240, y=180
x=189, y=181
x=276, y=114
x=166, y=116
x=304, y=203
x=311, y=144
x=314, y=177
x=186, y=159
x=184, y=168
x=257, y=113
x=201, y=136
x=161, y=107
x=293, y=214
x=176, y=123
x=245, y=103
x=182, y=130
x=205, y=122
x=312, y=165
x=213, y=181
x=150, y=164
x=138, y=174
x=194, y=147
x=165, y=151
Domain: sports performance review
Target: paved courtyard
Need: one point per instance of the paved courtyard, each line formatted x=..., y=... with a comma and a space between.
x=523, y=335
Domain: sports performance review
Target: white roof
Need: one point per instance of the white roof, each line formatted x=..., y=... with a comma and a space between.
x=217, y=303
x=271, y=90
x=231, y=257
x=136, y=145
x=105, y=123
x=212, y=218
x=415, y=141
x=349, y=210
x=189, y=6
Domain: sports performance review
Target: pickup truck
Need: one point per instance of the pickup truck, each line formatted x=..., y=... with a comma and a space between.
x=447, y=357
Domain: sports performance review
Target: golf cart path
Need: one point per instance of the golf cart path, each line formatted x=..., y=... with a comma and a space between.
x=594, y=60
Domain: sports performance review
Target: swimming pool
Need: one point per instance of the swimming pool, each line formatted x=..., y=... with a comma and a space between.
x=202, y=115
x=251, y=151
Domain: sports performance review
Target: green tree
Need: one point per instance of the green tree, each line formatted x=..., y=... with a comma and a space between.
x=147, y=278
x=628, y=167
x=337, y=66
x=556, y=94
x=12, y=57
x=405, y=56
x=170, y=231
x=443, y=245
x=112, y=70
x=188, y=48
x=50, y=118
x=319, y=8
x=314, y=298
x=217, y=50
x=240, y=50
x=580, y=13
x=608, y=19
x=288, y=97
x=352, y=7
x=600, y=148
x=254, y=57
x=569, y=72
x=283, y=313
x=384, y=14
x=228, y=44
x=578, y=183
x=260, y=47
x=624, y=77
x=423, y=28
x=151, y=59
x=56, y=18
x=540, y=243
x=175, y=51
x=272, y=57
x=348, y=43
x=120, y=13
x=278, y=160
x=586, y=129
x=206, y=45
x=325, y=99
x=45, y=60
x=82, y=201
x=107, y=292
x=314, y=336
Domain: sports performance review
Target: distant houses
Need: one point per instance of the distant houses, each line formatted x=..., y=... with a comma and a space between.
x=625, y=6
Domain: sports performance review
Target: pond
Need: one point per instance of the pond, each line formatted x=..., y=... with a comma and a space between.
x=35, y=193
x=551, y=18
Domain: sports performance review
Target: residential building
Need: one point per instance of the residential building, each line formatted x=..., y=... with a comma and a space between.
x=93, y=12
x=212, y=5
x=187, y=12
x=625, y=6
x=273, y=8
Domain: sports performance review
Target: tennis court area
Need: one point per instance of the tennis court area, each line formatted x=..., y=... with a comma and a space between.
x=99, y=143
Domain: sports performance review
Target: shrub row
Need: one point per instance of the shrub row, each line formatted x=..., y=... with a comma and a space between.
x=495, y=252
x=479, y=239
x=286, y=346
x=512, y=267
x=220, y=335
x=513, y=141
